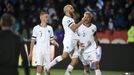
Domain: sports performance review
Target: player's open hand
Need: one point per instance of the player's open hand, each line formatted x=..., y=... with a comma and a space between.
x=83, y=19
x=55, y=43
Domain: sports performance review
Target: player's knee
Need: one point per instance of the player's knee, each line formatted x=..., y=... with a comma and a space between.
x=96, y=65
x=86, y=68
x=87, y=71
x=74, y=61
x=64, y=55
x=39, y=69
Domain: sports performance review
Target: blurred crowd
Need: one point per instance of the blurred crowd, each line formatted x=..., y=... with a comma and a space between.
x=108, y=14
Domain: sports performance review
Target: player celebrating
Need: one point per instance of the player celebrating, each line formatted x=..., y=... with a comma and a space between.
x=70, y=40
x=42, y=35
x=88, y=54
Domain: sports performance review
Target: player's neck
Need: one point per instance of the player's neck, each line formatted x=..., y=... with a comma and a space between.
x=43, y=24
x=67, y=14
x=88, y=25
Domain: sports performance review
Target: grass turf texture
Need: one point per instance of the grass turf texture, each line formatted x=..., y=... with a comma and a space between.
x=75, y=72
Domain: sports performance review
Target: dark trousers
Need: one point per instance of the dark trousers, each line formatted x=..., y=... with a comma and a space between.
x=8, y=71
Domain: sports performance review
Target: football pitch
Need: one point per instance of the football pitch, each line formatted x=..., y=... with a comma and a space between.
x=75, y=72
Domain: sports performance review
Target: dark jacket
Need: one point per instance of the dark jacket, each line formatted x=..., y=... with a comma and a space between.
x=11, y=46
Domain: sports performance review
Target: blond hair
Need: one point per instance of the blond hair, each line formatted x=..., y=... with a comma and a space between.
x=66, y=8
x=89, y=13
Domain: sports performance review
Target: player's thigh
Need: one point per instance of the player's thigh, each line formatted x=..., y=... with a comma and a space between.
x=39, y=58
x=69, y=45
x=93, y=56
x=82, y=60
x=46, y=59
x=74, y=53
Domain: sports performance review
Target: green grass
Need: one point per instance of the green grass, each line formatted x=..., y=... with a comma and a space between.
x=75, y=72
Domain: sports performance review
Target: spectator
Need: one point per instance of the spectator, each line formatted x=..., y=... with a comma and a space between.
x=16, y=26
x=11, y=46
x=59, y=33
x=26, y=11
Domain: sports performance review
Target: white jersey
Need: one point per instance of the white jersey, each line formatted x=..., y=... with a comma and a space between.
x=70, y=37
x=67, y=22
x=43, y=35
x=86, y=35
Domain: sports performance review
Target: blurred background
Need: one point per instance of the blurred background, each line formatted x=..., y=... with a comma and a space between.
x=113, y=18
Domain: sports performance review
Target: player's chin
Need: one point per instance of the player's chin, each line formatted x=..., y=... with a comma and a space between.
x=47, y=22
x=86, y=22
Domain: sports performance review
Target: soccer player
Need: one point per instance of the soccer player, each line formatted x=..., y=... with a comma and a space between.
x=88, y=51
x=11, y=46
x=70, y=40
x=43, y=36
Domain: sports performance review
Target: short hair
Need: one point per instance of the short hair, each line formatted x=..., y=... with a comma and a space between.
x=43, y=12
x=66, y=7
x=6, y=19
x=89, y=13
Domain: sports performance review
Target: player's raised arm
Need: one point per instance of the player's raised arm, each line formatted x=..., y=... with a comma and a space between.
x=76, y=26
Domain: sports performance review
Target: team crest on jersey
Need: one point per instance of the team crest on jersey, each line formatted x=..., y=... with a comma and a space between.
x=67, y=47
x=48, y=31
x=68, y=21
x=93, y=30
x=35, y=62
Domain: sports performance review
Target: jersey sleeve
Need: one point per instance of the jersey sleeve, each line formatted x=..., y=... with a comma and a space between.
x=95, y=30
x=70, y=22
x=51, y=34
x=34, y=34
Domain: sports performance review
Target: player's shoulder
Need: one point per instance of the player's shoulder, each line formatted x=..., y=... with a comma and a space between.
x=93, y=25
x=49, y=26
x=67, y=18
x=36, y=27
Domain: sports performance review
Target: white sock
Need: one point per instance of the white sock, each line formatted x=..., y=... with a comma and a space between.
x=55, y=61
x=46, y=73
x=97, y=72
x=85, y=72
x=69, y=70
x=38, y=74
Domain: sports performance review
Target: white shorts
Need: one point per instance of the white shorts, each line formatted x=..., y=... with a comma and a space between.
x=88, y=57
x=42, y=58
x=70, y=46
